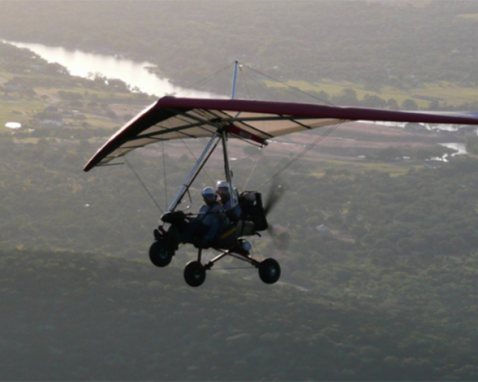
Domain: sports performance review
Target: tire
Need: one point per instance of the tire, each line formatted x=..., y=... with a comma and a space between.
x=194, y=273
x=269, y=271
x=159, y=253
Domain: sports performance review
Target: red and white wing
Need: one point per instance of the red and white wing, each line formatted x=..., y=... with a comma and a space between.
x=258, y=121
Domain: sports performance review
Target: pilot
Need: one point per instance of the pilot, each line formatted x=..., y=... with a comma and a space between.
x=211, y=216
x=229, y=202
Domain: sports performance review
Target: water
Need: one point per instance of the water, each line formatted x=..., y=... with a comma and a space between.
x=13, y=125
x=460, y=149
x=137, y=75
x=426, y=126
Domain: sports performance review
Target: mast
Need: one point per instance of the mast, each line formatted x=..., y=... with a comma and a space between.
x=234, y=79
x=224, y=136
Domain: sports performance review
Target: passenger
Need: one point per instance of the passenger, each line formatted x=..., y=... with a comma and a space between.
x=212, y=218
x=233, y=210
x=229, y=202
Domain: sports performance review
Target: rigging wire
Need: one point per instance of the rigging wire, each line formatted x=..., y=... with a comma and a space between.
x=194, y=85
x=298, y=90
x=253, y=170
x=317, y=140
x=245, y=84
x=247, y=75
x=143, y=185
x=196, y=158
x=203, y=81
x=313, y=143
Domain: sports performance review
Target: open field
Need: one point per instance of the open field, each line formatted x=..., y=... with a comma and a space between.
x=18, y=110
x=470, y=16
x=445, y=92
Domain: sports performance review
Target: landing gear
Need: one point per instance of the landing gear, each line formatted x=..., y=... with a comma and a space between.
x=160, y=253
x=269, y=271
x=194, y=273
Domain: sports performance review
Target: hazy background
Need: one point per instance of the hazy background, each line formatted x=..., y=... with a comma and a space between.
x=380, y=276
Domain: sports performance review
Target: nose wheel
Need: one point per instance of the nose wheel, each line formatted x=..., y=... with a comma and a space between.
x=160, y=253
x=194, y=273
x=269, y=271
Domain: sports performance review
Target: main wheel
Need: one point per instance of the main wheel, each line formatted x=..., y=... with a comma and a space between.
x=269, y=271
x=160, y=254
x=194, y=273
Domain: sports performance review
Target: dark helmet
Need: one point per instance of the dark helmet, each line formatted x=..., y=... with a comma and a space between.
x=208, y=194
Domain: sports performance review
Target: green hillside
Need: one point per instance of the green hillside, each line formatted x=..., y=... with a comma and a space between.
x=68, y=316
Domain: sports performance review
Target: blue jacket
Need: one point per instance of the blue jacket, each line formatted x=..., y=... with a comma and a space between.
x=213, y=219
x=232, y=211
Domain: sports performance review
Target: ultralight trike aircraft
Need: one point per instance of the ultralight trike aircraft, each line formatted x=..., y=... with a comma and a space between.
x=223, y=121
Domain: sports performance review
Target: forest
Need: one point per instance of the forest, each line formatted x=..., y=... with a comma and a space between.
x=380, y=268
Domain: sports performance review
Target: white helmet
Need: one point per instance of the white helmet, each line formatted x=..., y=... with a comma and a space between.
x=222, y=184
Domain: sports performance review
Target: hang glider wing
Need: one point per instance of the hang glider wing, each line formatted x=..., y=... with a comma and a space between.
x=258, y=121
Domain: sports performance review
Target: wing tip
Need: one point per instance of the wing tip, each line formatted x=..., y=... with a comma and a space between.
x=89, y=165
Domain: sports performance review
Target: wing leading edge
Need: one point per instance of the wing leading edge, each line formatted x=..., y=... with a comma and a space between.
x=172, y=118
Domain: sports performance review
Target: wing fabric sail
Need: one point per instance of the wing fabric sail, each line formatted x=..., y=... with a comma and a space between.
x=172, y=118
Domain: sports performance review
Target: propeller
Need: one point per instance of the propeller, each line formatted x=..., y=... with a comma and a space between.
x=276, y=191
x=279, y=234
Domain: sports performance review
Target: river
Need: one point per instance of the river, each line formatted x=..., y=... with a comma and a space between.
x=137, y=75
x=460, y=149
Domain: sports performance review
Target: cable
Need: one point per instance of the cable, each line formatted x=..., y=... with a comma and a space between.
x=302, y=153
x=196, y=158
x=144, y=185
x=203, y=81
x=253, y=170
x=288, y=86
x=315, y=142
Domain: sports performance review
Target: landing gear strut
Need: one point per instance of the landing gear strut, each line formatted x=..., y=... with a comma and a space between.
x=195, y=271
